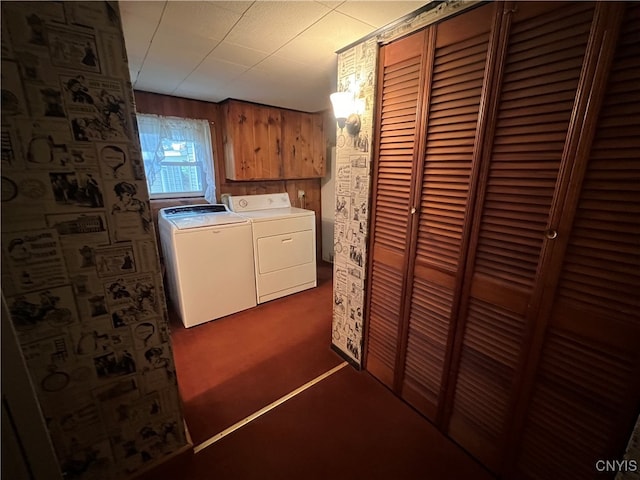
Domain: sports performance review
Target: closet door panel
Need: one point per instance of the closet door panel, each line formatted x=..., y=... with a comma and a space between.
x=454, y=96
x=586, y=392
x=546, y=47
x=399, y=94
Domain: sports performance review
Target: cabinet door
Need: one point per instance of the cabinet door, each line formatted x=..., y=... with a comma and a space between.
x=303, y=152
x=546, y=46
x=454, y=90
x=399, y=105
x=267, y=143
x=252, y=142
x=236, y=125
x=586, y=389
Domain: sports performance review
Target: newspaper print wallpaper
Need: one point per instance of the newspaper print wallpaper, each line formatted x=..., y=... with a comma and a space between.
x=81, y=273
x=629, y=466
x=357, y=73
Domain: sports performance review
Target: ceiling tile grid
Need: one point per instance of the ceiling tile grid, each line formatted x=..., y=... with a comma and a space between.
x=279, y=53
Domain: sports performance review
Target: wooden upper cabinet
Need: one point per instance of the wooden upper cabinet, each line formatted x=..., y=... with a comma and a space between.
x=269, y=143
x=304, y=145
x=252, y=138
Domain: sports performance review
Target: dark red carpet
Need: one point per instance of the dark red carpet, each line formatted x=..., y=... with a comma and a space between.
x=231, y=367
x=348, y=426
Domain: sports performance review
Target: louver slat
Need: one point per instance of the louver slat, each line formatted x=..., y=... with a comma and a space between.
x=526, y=157
x=586, y=387
x=543, y=63
x=399, y=93
x=454, y=104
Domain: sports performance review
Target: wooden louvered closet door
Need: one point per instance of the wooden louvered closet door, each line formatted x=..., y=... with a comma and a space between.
x=586, y=390
x=546, y=44
x=399, y=80
x=507, y=309
x=454, y=85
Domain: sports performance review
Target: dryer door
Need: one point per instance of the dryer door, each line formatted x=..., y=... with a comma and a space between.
x=285, y=251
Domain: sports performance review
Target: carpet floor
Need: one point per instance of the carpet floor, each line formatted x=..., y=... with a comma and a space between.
x=346, y=426
x=231, y=367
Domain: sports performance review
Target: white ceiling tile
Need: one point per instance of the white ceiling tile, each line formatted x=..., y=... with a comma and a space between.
x=184, y=53
x=379, y=13
x=203, y=89
x=235, y=6
x=139, y=22
x=166, y=45
x=331, y=4
x=159, y=77
x=203, y=20
x=312, y=84
x=237, y=54
x=279, y=53
x=315, y=65
x=284, y=92
x=217, y=70
x=266, y=26
x=139, y=19
x=330, y=34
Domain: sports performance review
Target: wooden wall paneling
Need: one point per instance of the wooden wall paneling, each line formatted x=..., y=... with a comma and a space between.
x=581, y=392
x=398, y=111
x=318, y=144
x=237, y=123
x=546, y=46
x=158, y=104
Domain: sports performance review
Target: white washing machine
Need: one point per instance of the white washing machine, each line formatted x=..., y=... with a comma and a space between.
x=284, y=243
x=208, y=254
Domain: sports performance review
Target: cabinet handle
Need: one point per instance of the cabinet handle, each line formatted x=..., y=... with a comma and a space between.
x=551, y=234
x=278, y=146
x=413, y=210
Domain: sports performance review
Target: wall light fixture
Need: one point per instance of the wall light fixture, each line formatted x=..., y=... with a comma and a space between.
x=345, y=109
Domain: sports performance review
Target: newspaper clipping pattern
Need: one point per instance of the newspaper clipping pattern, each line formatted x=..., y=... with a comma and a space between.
x=80, y=268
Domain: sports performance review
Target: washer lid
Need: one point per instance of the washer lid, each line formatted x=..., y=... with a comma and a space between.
x=206, y=220
x=182, y=210
x=200, y=216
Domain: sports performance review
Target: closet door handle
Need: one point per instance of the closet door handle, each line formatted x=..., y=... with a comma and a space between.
x=413, y=210
x=551, y=234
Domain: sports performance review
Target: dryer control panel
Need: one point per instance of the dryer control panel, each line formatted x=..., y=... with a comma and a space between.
x=250, y=203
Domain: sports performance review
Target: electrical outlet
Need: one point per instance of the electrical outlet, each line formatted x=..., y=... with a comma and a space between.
x=300, y=193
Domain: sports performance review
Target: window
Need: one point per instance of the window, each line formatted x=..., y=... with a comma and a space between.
x=177, y=156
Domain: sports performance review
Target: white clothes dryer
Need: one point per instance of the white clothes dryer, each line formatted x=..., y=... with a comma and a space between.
x=208, y=254
x=284, y=243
